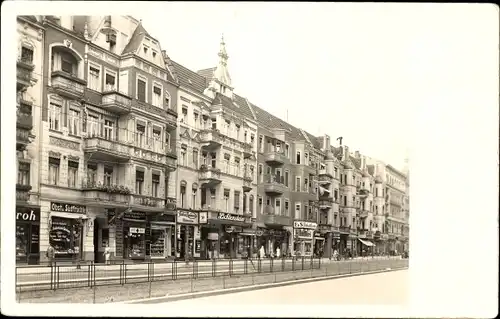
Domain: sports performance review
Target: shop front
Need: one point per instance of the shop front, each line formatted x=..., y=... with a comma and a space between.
x=188, y=235
x=27, y=235
x=249, y=242
x=319, y=244
x=161, y=236
x=68, y=226
x=303, y=238
x=130, y=232
x=271, y=239
x=222, y=235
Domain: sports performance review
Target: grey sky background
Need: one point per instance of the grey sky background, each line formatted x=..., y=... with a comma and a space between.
x=344, y=70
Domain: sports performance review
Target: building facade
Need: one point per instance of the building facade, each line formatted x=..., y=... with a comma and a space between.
x=108, y=126
x=29, y=86
x=119, y=146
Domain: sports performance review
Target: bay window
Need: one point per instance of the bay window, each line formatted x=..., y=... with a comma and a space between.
x=108, y=175
x=108, y=130
x=110, y=82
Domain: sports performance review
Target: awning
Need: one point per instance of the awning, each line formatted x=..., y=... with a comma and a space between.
x=366, y=242
x=68, y=215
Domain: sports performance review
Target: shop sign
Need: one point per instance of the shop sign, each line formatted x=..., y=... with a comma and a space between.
x=28, y=214
x=304, y=233
x=248, y=231
x=135, y=230
x=233, y=229
x=259, y=232
x=67, y=208
x=230, y=217
x=306, y=225
x=140, y=216
x=203, y=217
x=184, y=217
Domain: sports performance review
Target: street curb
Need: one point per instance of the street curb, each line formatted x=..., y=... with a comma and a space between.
x=202, y=294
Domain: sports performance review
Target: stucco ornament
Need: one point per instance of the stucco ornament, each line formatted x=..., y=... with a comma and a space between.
x=68, y=43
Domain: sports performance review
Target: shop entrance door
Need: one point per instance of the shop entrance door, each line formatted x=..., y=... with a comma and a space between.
x=97, y=258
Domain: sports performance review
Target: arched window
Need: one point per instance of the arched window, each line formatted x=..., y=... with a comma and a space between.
x=167, y=99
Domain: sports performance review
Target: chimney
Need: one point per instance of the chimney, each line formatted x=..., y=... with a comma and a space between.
x=357, y=154
x=345, y=154
x=326, y=143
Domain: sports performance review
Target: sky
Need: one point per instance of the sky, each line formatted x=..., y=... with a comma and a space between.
x=335, y=69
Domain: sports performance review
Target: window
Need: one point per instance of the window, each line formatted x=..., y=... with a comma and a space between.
x=140, y=137
x=227, y=158
x=345, y=200
x=261, y=171
x=213, y=157
x=287, y=150
x=139, y=182
x=91, y=174
x=278, y=147
x=196, y=116
x=195, y=158
x=237, y=166
x=287, y=208
x=141, y=90
x=260, y=203
x=226, y=199
x=26, y=55
x=335, y=172
x=157, y=96
x=286, y=178
x=252, y=138
x=277, y=203
x=236, y=201
x=108, y=175
x=183, y=156
x=108, y=130
x=23, y=174
x=183, y=194
x=93, y=125
x=261, y=143
x=306, y=185
x=297, y=183
x=184, y=114
x=167, y=99
x=66, y=65
x=298, y=157
x=297, y=211
x=74, y=122
x=306, y=159
x=72, y=173
x=54, y=164
x=110, y=82
x=214, y=123
x=154, y=54
x=335, y=195
x=238, y=132
x=193, y=199
x=250, y=204
x=94, y=78
x=155, y=185
x=145, y=48
x=55, y=111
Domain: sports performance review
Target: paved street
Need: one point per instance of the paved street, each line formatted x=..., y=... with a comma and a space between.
x=69, y=276
x=342, y=291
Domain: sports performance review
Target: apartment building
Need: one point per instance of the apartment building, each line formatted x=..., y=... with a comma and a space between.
x=216, y=179
x=108, y=124
x=395, y=201
x=29, y=83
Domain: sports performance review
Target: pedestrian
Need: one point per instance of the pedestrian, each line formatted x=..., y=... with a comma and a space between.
x=107, y=254
x=50, y=254
x=278, y=252
x=262, y=252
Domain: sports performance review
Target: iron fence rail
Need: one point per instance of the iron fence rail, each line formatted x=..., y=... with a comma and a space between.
x=128, y=286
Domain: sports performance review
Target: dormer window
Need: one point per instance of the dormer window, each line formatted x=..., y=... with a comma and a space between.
x=145, y=48
x=154, y=54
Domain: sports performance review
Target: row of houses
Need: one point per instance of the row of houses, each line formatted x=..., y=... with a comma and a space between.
x=120, y=146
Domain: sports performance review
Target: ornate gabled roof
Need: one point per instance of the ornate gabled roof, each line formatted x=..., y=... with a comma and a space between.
x=355, y=161
x=189, y=78
x=370, y=169
x=135, y=39
x=231, y=105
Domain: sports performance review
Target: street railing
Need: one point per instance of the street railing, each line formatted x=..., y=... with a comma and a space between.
x=105, y=283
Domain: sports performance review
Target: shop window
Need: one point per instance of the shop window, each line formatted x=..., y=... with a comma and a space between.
x=65, y=236
x=155, y=185
x=139, y=182
x=135, y=243
x=23, y=174
x=72, y=173
x=54, y=164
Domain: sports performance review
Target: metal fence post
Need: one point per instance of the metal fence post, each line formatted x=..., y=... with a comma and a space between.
x=213, y=268
x=259, y=265
x=293, y=264
x=271, y=266
x=303, y=258
x=230, y=267
x=350, y=270
x=245, y=266
x=283, y=261
x=57, y=276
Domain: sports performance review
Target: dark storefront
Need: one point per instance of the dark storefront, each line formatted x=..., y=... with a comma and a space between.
x=187, y=228
x=28, y=235
x=66, y=225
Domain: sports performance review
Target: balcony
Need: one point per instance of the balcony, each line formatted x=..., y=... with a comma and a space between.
x=116, y=102
x=147, y=109
x=25, y=77
x=247, y=186
x=275, y=158
x=22, y=193
x=68, y=85
x=23, y=138
x=363, y=213
x=209, y=176
x=24, y=115
x=273, y=185
x=153, y=150
x=147, y=203
x=362, y=192
x=171, y=204
x=324, y=204
x=113, y=196
x=247, y=150
x=275, y=217
x=344, y=229
x=324, y=179
x=106, y=150
x=364, y=233
x=211, y=139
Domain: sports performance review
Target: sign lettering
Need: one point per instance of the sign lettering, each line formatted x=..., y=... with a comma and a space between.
x=67, y=208
x=305, y=225
x=28, y=215
x=184, y=217
x=230, y=217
